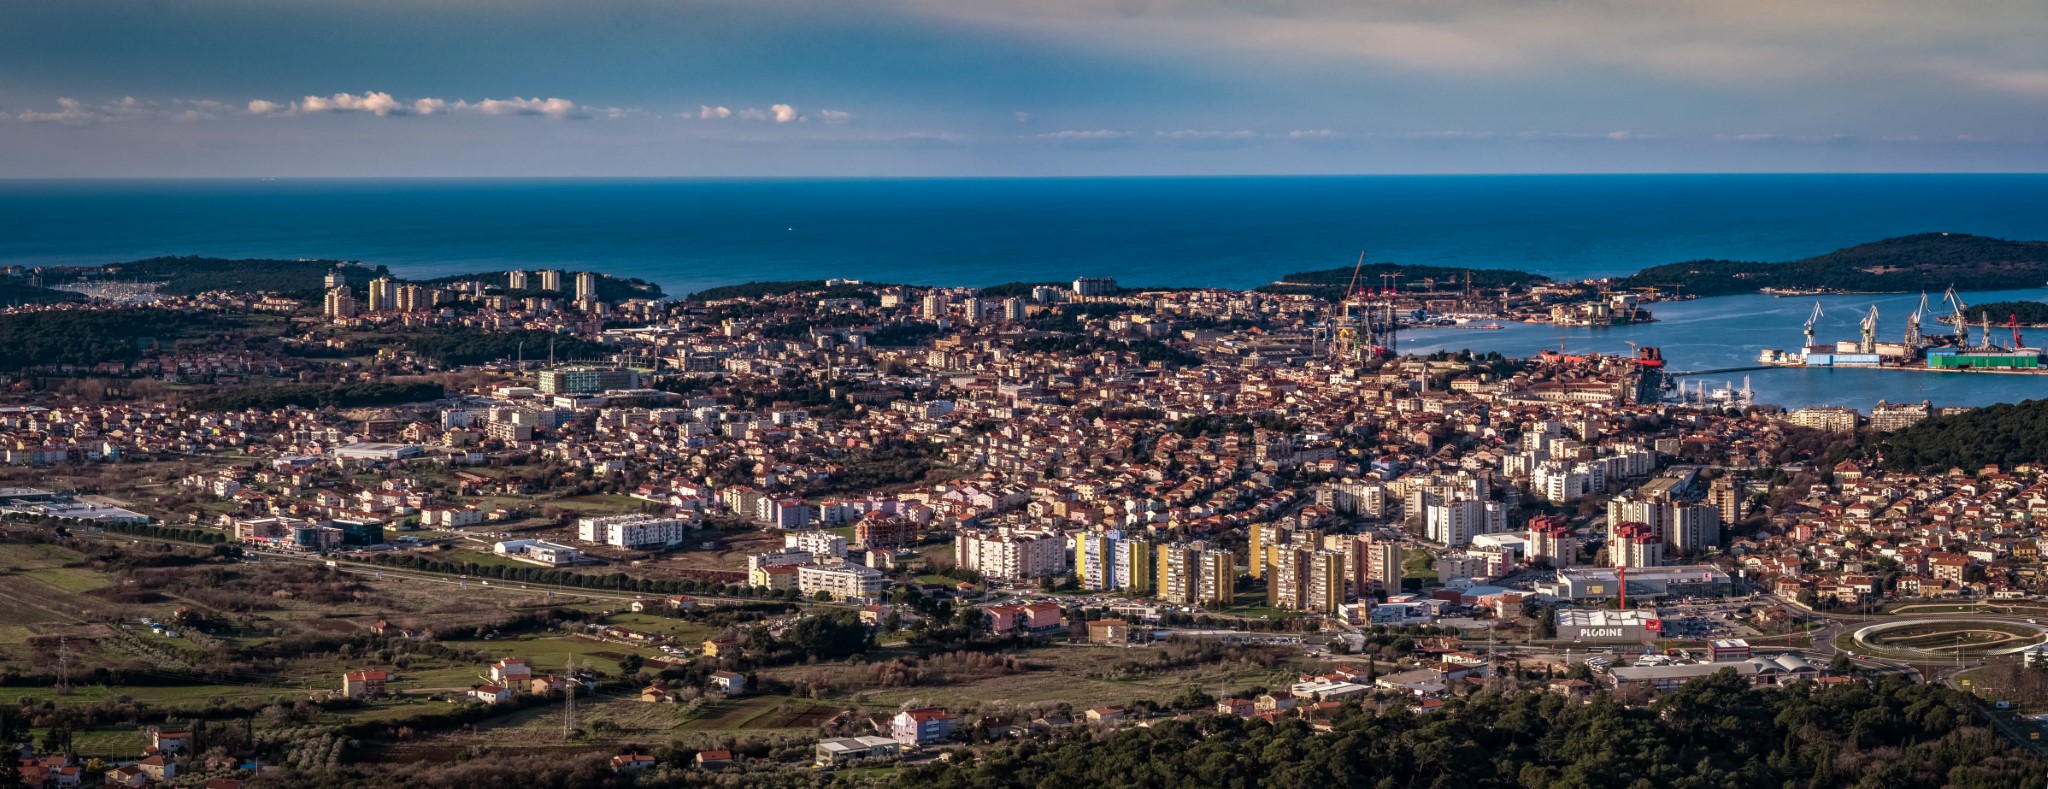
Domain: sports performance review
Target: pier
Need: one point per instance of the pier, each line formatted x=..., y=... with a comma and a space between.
x=1721, y=370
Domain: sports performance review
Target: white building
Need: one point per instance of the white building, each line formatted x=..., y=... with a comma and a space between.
x=841, y=581
x=816, y=541
x=1011, y=555
x=634, y=531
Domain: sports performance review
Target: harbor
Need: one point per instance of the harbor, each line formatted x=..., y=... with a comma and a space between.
x=1722, y=337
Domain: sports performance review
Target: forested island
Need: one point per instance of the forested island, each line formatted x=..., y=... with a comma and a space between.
x=1926, y=261
x=1330, y=283
x=2028, y=313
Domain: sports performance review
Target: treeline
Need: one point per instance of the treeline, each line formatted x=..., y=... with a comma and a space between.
x=1926, y=261
x=1330, y=283
x=558, y=577
x=762, y=290
x=304, y=280
x=313, y=396
x=2027, y=312
x=1714, y=732
x=151, y=530
x=14, y=292
x=455, y=348
x=2006, y=434
x=86, y=338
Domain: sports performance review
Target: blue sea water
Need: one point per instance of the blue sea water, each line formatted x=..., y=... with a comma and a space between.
x=1233, y=232
x=1229, y=232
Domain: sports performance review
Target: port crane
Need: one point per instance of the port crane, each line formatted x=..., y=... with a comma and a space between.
x=1810, y=321
x=1913, y=338
x=1869, y=344
x=1958, y=314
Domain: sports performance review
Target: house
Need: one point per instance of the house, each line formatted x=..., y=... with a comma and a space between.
x=722, y=647
x=542, y=686
x=1105, y=715
x=127, y=775
x=681, y=603
x=920, y=727
x=656, y=694
x=1279, y=701
x=838, y=751
x=1243, y=708
x=632, y=762
x=490, y=694
x=158, y=767
x=169, y=740
x=55, y=771
x=511, y=670
x=714, y=760
x=359, y=685
x=1109, y=632
x=728, y=683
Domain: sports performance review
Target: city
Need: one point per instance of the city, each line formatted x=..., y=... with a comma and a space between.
x=788, y=527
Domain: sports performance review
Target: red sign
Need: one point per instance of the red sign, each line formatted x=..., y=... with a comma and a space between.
x=1654, y=625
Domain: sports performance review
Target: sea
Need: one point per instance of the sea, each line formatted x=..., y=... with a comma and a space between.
x=1225, y=232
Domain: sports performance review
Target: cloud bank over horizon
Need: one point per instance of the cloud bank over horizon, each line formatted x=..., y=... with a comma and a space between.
x=1026, y=87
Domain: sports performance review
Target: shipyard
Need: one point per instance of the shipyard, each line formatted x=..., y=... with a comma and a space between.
x=1967, y=347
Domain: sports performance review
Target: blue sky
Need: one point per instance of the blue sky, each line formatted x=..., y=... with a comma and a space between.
x=114, y=88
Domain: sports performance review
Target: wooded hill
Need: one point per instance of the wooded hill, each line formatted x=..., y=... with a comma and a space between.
x=2007, y=434
x=1713, y=732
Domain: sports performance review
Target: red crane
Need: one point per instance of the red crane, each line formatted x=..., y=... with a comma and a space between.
x=2013, y=320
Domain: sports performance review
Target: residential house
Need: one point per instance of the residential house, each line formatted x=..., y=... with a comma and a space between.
x=728, y=683
x=363, y=684
x=920, y=727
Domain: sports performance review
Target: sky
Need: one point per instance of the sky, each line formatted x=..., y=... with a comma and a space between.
x=305, y=88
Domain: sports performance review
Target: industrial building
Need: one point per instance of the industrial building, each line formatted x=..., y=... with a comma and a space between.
x=1600, y=583
x=1589, y=624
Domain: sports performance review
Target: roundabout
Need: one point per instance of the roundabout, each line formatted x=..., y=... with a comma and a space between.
x=1948, y=638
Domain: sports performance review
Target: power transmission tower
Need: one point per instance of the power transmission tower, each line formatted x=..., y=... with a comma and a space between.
x=569, y=704
x=63, y=666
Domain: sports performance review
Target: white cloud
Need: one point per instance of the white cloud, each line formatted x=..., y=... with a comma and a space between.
x=835, y=117
x=1023, y=117
x=1311, y=134
x=1198, y=134
x=784, y=113
x=376, y=103
x=710, y=113
x=553, y=108
x=429, y=106
x=1085, y=134
x=72, y=112
x=261, y=107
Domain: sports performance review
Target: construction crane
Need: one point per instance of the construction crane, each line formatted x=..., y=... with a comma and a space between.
x=1810, y=321
x=1869, y=344
x=2013, y=320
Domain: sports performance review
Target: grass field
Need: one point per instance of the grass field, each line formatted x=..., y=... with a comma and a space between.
x=551, y=653
x=682, y=630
